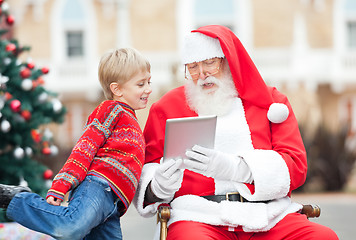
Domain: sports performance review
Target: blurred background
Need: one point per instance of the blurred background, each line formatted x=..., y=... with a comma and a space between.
x=305, y=48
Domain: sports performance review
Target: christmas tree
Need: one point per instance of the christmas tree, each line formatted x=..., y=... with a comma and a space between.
x=26, y=111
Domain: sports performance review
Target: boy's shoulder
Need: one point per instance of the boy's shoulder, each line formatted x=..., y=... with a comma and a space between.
x=114, y=108
x=110, y=105
x=105, y=106
x=105, y=109
x=107, y=103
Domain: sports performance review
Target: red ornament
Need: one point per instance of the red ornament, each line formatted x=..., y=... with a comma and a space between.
x=36, y=136
x=40, y=81
x=45, y=70
x=10, y=19
x=48, y=174
x=8, y=96
x=10, y=47
x=26, y=114
x=34, y=84
x=46, y=151
x=30, y=65
x=15, y=105
x=25, y=73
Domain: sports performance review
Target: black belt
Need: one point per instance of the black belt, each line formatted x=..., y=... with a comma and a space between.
x=234, y=197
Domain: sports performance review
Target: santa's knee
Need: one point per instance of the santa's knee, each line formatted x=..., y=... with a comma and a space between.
x=324, y=233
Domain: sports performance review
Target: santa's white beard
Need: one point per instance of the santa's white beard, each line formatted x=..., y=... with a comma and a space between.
x=205, y=102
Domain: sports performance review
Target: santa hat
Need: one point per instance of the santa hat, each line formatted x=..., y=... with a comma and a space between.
x=219, y=41
x=199, y=47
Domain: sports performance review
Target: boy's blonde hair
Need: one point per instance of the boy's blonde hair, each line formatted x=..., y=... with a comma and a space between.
x=119, y=66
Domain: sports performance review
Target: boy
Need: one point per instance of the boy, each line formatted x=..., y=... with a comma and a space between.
x=104, y=167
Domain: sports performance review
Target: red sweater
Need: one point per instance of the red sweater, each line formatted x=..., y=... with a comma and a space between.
x=111, y=147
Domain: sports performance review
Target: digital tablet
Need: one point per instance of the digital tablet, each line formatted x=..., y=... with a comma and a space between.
x=183, y=133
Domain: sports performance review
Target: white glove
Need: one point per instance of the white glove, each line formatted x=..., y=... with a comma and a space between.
x=167, y=179
x=218, y=165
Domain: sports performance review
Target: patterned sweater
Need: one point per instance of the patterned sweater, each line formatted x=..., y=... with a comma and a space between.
x=111, y=147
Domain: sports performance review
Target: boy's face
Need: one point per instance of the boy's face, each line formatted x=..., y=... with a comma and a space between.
x=135, y=91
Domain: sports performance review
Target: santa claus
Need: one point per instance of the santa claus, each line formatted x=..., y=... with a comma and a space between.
x=242, y=187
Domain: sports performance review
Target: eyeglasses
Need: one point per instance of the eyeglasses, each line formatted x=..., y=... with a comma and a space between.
x=210, y=67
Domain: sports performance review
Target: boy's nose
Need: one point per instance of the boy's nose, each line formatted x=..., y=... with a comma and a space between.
x=148, y=90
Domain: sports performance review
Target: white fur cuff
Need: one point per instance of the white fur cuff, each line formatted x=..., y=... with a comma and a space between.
x=270, y=174
x=148, y=171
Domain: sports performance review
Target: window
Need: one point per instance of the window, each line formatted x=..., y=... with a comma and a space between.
x=214, y=12
x=73, y=11
x=74, y=22
x=350, y=14
x=351, y=33
x=74, y=44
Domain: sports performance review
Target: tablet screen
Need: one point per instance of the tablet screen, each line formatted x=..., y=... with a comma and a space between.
x=183, y=133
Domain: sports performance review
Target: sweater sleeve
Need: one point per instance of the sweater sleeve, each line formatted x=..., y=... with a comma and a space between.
x=98, y=128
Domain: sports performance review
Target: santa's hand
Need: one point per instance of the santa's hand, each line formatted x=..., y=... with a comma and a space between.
x=167, y=179
x=218, y=165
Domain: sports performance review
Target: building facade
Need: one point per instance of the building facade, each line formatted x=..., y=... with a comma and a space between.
x=306, y=48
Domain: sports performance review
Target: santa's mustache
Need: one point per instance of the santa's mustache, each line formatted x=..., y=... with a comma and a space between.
x=208, y=80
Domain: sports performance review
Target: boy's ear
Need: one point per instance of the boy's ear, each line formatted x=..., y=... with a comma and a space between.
x=115, y=89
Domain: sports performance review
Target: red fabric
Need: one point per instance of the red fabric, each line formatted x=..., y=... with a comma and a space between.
x=293, y=226
x=284, y=138
x=111, y=147
x=256, y=97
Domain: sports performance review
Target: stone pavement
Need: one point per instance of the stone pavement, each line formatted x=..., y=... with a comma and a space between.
x=135, y=227
x=338, y=211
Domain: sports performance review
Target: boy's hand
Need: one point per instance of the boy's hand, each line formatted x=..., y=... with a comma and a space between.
x=54, y=201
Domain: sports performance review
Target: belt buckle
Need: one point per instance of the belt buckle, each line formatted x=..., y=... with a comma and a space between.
x=231, y=193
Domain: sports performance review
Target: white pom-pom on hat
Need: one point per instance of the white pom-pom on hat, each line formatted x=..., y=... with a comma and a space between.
x=277, y=112
x=198, y=47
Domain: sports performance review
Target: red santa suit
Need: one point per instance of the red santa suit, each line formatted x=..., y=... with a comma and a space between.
x=268, y=140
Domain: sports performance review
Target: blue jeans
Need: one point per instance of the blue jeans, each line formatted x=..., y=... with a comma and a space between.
x=92, y=213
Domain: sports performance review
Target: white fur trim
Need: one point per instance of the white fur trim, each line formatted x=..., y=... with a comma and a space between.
x=148, y=171
x=277, y=112
x=270, y=174
x=232, y=128
x=264, y=164
x=222, y=187
x=253, y=217
x=199, y=47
